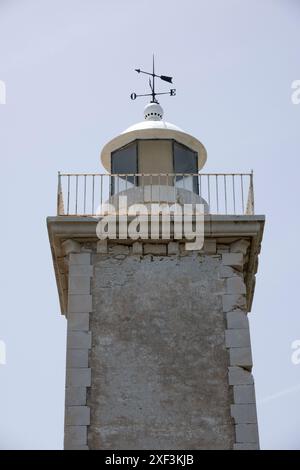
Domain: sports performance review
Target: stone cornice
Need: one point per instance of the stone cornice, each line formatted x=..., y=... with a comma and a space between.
x=224, y=228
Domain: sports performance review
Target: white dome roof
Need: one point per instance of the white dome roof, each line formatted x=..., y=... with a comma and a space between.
x=153, y=128
x=152, y=125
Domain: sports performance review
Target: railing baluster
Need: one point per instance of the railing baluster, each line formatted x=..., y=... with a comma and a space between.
x=151, y=186
x=233, y=194
x=159, y=188
x=242, y=190
x=225, y=189
x=76, y=195
x=101, y=193
x=208, y=189
x=68, y=204
x=59, y=195
x=84, y=198
x=217, y=194
x=93, y=196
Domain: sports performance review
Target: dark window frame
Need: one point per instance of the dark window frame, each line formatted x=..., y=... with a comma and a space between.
x=112, y=182
x=195, y=154
x=136, y=179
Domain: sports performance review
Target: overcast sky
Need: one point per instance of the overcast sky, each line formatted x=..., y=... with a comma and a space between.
x=68, y=66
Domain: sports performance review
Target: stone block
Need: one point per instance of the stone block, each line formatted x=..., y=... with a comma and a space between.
x=240, y=246
x=102, y=246
x=78, y=377
x=240, y=357
x=173, y=248
x=222, y=248
x=79, y=340
x=243, y=394
x=244, y=413
x=80, y=258
x=246, y=433
x=119, y=250
x=237, y=319
x=233, y=302
x=137, y=248
x=75, y=436
x=78, y=322
x=81, y=270
x=75, y=396
x=210, y=246
x=77, y=416
x=79, y=285
x=76, y=448
x=239, y=376
x=227, y=271
x=70, y=246
x=236, y=260
x=235, y=285
x=77, y=358
x=158, y=249
x=79, y=303
x=237, y=338
x=253, y=446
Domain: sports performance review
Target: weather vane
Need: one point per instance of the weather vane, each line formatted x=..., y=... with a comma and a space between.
x=153, y=93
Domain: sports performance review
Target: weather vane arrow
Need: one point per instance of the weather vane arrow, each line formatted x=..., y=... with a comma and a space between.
x=153, y=93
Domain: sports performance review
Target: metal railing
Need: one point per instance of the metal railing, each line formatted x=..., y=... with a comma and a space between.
x=224, y=193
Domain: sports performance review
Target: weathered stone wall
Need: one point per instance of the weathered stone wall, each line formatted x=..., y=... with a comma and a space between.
x=158, y=359
x=158, y=347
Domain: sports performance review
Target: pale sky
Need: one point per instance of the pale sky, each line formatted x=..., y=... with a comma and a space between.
x=68, y=67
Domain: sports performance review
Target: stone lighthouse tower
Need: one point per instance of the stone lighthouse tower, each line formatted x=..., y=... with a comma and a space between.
x=158, y=345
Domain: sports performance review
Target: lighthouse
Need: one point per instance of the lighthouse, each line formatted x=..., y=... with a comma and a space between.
x=158, y=343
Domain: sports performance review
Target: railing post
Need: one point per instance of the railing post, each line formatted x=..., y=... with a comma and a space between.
x=60, y=202
x=250, y=203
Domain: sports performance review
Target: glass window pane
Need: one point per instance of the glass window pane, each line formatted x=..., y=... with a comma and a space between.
x=186, y=161
x=123, y=161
